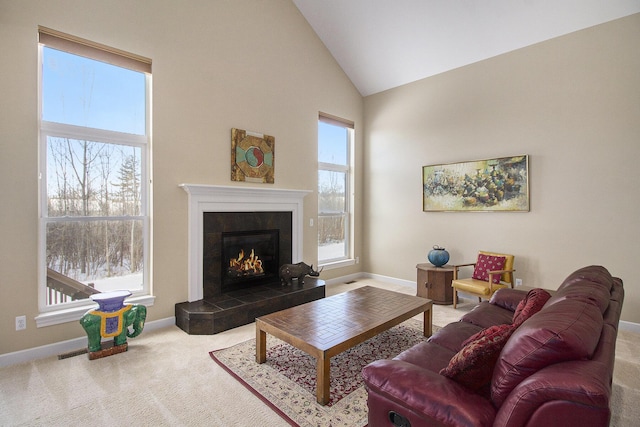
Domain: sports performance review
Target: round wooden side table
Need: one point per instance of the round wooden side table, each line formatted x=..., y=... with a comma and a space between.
x=435, y=283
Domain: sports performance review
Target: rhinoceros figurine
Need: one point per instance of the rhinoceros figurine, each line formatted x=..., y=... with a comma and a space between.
x=288, y=272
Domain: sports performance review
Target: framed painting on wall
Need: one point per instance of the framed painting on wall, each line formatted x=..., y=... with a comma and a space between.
x=252, y=156
x=491, y=185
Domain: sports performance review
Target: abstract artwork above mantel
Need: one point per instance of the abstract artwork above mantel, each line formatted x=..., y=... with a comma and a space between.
x=500, y=184
x=252, y=156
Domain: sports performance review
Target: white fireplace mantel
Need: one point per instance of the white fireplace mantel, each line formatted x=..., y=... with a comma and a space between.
x=219, y=198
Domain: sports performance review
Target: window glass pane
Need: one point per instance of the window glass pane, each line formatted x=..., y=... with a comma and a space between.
x=332, y=144
x=88, y=256
x=332, y=191
x=88, y=178
x=331, y=237
x=85, y=92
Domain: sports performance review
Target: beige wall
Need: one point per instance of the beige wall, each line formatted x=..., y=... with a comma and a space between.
x=254, y=65
x=572, y=104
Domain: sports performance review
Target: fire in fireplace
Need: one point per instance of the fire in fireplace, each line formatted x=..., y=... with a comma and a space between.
x=243, y=267
x=249, y=258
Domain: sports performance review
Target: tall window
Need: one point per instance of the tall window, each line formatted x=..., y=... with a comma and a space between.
x=94, y=156
x=335, y=143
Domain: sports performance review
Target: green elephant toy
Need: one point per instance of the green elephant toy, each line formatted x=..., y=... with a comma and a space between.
x=113, y=320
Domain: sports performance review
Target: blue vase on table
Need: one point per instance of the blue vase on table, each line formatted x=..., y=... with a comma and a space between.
x=438, y=256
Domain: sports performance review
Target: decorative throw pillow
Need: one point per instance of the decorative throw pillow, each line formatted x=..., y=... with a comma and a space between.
x=530, y=305
x=473, y=365
x=488, y=263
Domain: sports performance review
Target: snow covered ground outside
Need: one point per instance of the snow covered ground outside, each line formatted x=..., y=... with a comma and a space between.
x=331, y=251
x=131, y=282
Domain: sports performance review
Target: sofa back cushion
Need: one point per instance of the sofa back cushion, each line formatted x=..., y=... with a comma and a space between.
x=592, y=273
x=567, y=330
x=592, y=284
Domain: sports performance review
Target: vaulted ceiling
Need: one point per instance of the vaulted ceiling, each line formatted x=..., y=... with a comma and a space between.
x=382, y=44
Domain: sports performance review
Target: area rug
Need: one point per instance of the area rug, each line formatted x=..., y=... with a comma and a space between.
x=287, y=381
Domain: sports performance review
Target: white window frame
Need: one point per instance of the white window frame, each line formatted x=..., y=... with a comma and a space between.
x=348, y=259
x=73, y=310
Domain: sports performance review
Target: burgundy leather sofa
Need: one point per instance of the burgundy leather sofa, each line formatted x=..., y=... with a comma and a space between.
x=555, y=369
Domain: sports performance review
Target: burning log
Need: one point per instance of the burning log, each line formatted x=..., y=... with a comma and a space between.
x=242, y=266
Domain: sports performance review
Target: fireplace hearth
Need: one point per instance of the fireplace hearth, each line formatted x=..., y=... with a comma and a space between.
x=238, y=238
x=240, y=307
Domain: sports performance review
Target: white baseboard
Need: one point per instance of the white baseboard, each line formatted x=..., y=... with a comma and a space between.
x=629, y=326
x=356, y=276
x=388, y=279
x=342, y=279
x=66, y=346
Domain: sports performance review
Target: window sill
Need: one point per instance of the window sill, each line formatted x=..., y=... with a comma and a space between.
x=75, y=313
x=337, y=264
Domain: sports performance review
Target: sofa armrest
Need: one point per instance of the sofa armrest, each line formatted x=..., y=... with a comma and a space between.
x=569, y=393
x=508, y=298
x=427, y=393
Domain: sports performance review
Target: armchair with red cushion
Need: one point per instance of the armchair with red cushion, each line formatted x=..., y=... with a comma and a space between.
x=491, y=271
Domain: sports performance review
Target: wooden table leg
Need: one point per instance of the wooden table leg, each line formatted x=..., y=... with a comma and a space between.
x=428, y=315
x=261, y=345
x=322, y=383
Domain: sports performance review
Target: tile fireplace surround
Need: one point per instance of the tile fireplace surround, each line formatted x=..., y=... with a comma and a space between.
x=198, y=316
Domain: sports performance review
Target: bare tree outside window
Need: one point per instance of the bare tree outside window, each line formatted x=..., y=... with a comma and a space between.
x=92, y=179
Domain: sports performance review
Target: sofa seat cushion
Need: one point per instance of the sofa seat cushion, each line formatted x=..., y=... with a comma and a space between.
x=454, y=334
x=486, y=314
x=473, y=365
x=486, y=263
x=567, y=330
x=530, y=305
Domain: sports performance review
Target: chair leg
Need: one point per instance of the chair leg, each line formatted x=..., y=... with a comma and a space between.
x=479, y=300
x=455, y=298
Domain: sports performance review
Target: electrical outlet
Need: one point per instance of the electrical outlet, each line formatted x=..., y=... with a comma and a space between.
x=357, y=260
x=21, y=323
x=518, y=282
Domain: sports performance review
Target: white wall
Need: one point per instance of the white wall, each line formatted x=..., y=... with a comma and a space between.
x=572, y=104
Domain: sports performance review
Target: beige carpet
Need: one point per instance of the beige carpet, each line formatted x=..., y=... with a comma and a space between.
x=167, y=378
x=625, y=400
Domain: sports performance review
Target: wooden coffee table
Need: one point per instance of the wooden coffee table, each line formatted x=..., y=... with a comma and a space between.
x=331, y=325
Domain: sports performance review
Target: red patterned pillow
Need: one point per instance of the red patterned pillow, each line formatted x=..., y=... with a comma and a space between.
x=488, y=263
x=530, y=305
x=473, y=365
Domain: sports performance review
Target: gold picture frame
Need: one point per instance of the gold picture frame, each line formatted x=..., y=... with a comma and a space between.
x=500, y=184
x=252, y=156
